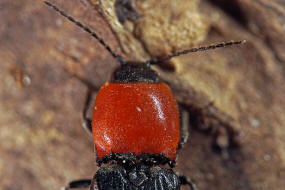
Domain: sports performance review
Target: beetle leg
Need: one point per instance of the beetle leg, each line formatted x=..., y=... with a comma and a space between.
x=186, y=181
x=184, y=126
x=86, y=124
x=81, y=183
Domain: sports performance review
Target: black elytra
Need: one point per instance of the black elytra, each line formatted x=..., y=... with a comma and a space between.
x=126, y=171
x=138, y=178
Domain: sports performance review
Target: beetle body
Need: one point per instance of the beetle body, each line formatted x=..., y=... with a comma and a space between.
x=136, y=125
x=116, y=177
x=139, y=118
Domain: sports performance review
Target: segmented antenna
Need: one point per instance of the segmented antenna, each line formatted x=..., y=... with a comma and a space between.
x=86, y=29
x=224, y=44
x=153, y=61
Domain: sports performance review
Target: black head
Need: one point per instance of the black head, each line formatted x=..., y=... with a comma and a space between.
x=140, y=177
x=135, y=72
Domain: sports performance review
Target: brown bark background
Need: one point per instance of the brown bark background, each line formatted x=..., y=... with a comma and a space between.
x=234, y=95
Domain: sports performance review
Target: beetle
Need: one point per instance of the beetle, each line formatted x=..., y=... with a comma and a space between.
x=135, y=126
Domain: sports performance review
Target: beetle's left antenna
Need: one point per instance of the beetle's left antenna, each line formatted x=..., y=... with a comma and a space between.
x=88, y=30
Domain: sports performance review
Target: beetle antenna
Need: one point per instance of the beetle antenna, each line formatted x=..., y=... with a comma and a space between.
x=88, y=30
x=205, y=48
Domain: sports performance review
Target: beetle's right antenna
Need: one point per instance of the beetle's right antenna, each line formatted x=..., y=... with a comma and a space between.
x=86, y=29
x=204, y=48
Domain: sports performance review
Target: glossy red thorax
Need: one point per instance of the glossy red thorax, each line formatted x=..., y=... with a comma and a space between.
x=136, y=117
